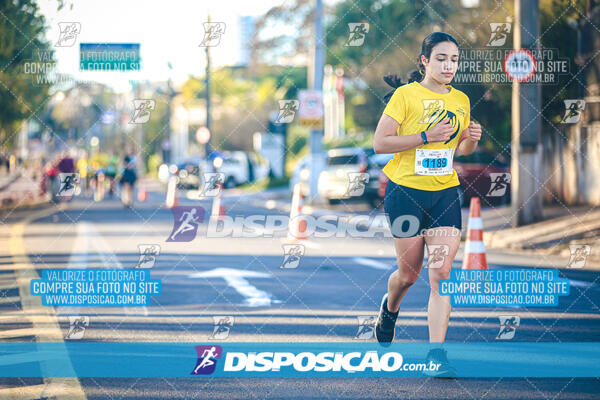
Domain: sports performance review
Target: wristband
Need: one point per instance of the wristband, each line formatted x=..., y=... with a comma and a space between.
x=424, y=137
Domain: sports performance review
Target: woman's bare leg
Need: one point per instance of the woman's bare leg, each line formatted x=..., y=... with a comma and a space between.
x=438, y=310
x=410, y=252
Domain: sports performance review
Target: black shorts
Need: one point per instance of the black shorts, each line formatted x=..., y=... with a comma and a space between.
x=129, y=176
x=410, y=211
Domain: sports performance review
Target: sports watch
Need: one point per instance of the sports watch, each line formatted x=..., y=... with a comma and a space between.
x=424, y=137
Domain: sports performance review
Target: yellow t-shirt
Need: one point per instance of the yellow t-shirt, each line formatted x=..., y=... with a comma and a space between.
x=417, y=109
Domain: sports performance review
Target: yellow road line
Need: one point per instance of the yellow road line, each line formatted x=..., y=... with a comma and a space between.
x=11, y=333
x=66, y=388
x=6, y=286
x=45, y=326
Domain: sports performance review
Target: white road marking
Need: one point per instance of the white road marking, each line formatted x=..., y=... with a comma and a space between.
x=583, y=284
x=88, y=239
x=236, y=279
x=369, y=262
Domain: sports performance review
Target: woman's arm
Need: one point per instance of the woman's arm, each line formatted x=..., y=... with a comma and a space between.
x=469, y=139
x=385, y=140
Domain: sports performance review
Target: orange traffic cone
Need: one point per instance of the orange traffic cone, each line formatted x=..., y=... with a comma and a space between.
x=297, y=225
x=171, y=200
x=142, y=195
x=218, y=209
x=474, y=255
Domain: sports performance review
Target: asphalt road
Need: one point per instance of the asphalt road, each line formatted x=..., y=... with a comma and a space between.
x=336, y=281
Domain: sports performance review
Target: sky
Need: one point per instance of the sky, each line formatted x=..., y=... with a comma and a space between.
x=168, y=31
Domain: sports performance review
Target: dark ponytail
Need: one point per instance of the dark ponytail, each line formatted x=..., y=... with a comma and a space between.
x=418, y=74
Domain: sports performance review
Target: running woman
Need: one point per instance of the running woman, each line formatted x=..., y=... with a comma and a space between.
x=423, y=123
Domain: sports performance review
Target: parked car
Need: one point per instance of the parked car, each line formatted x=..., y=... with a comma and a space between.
x=261, y=168
x=301, y=173
x=474, y=175
x=333, y=180
x=240, y=167
x=188, y=172
x=375, y=165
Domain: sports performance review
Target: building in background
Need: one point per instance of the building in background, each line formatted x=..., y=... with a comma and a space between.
x=247, y=26
x=333, y=103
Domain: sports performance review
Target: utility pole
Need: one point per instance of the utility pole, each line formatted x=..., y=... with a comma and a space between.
x=207, y=84
x=316, y=135
x=140, y=135
x=526, y=149
x=168, y=134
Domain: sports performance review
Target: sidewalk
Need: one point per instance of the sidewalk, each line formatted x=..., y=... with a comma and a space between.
x=561, y=227
x=6, y=179
x=20, y=190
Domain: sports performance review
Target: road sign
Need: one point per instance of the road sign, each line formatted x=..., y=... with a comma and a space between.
x=109, y=56
x=310, y=109
x=519, y=65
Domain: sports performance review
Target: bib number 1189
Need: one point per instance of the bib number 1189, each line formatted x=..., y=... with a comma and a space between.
x=435, y=162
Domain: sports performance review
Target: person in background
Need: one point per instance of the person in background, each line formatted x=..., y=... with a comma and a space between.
x=128, y=179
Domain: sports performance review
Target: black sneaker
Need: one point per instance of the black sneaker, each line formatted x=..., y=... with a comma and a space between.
x=445, y=370
x=385, y=327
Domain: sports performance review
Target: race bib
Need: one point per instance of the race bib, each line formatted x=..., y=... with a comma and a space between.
x=433, y=161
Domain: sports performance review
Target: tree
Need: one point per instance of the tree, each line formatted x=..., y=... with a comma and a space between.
x=242, y=99
x=22, y=40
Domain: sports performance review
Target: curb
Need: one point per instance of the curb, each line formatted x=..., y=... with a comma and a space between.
x=33, y=204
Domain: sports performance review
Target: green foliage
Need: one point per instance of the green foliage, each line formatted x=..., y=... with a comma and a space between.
x=297, y=139
x=154, y=162
x=364, y=140
x=242, y=99
x=22, y=30
x=155, y=130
